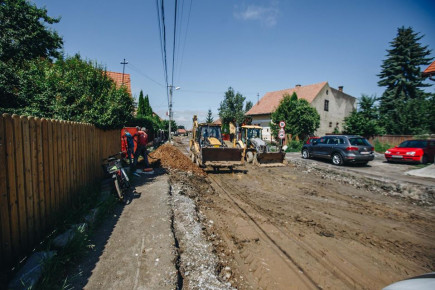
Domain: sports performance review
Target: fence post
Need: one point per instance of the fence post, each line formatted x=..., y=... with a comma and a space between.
x=41, y=180
x=6, y=249
x=27, y=177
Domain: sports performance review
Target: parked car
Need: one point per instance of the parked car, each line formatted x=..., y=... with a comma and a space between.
x=311, y=139
x=340, y=149
x=419, y=151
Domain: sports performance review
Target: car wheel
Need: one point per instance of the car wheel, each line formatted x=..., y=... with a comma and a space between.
x=337, y=159
x=423, y=159
x=305, y=154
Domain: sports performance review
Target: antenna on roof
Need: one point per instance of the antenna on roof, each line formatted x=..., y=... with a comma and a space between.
x=258, y=98
x=123, y=70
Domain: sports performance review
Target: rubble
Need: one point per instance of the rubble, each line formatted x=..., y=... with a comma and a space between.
x=171, y=158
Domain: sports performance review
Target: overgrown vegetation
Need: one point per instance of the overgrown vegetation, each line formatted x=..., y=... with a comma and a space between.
x=54, y=276
x=35, y=79
x=381, y=147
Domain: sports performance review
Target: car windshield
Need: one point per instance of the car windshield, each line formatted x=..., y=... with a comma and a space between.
x=413, y=144
x=358, y=141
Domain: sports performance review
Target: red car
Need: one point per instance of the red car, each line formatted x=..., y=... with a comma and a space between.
x=420, y=151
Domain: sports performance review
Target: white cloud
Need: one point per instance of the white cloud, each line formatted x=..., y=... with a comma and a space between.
x=268, y=16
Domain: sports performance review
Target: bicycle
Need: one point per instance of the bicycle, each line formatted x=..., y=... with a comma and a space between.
x=114, y=168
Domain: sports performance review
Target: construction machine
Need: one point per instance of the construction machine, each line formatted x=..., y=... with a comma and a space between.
x=256, y=151
x=208, y=149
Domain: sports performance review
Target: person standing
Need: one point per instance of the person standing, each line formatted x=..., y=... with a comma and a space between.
x=130, y=146
x=141, y=140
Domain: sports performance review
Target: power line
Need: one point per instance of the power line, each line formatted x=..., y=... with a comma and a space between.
x=173, y=48
x=136, y=69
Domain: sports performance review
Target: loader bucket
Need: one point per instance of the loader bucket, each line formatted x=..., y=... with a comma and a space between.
x=271, y=159
x=222, y=157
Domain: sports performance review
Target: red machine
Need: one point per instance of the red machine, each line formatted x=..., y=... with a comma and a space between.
x=132, y=131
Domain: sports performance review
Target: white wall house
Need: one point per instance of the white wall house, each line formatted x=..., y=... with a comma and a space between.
x=332, y=105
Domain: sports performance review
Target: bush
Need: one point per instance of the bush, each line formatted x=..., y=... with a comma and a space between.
x=294, y=146
x=381, y=147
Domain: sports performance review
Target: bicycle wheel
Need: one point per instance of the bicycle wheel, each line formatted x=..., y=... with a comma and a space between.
x=119, y=191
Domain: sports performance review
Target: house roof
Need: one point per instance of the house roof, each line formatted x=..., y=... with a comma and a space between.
x=430, y=70
x=270, y=101
x=218, y=122
x=117, y=78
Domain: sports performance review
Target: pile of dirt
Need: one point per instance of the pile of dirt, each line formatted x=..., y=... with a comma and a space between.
x=170, y=157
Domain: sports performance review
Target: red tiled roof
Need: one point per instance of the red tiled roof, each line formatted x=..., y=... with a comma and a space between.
x=117, y=78
x=430, y=70
x=270, y=101
x=217, y=122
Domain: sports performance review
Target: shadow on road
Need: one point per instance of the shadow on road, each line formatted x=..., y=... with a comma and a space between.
x=78, y=275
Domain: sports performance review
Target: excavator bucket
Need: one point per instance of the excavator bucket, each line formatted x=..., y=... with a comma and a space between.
x=222, y=157
x=270, y=159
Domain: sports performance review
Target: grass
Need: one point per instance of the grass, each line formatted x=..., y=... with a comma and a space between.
x=54, y=274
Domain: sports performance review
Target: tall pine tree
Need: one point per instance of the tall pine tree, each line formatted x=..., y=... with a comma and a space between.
x=404, y=107
x=141, y=105
x=209, y=118
x=148, y=109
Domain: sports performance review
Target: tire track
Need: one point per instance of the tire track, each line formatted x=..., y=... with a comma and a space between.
x=297, y=271
x=334, y=265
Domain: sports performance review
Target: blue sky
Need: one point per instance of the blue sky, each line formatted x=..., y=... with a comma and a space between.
x=253, y=46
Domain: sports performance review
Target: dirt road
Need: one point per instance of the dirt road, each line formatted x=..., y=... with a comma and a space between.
x=298, y=227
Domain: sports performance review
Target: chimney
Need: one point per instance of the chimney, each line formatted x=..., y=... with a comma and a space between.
x=298, y=85
x=340, y=88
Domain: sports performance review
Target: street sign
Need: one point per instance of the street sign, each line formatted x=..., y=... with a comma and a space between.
x=282, y=124
x=281, y=134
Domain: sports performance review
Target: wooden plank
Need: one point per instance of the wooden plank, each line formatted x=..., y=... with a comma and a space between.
x=51, y=155
x=46, y=147
x=56, y=141
x=41, y=179
x=61, y=156
x=35, y=179
x=70, y=165
x=27, y=163
x=76, y=157
x=19, y=171
x=6, y=243
x=12, y=183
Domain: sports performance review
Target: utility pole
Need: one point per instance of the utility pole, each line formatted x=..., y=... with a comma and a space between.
x=171, y=87
x=123, y=70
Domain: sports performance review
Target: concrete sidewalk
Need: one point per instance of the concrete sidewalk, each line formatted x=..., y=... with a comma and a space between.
x=134, y=248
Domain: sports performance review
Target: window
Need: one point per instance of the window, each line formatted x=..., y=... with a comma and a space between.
x=327, y=91
x=326, y=107
x=330, y=124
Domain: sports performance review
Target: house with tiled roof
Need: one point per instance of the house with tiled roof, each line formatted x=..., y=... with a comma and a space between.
x=120, y=79
x=430, y=71
x=333, y=105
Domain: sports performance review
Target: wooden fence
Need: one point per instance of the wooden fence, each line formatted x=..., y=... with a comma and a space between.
x=43, y=164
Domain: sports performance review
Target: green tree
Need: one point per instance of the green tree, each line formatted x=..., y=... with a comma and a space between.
x=301, y=119
x=23, y=37
x=248, y=106
x=231, y=108
x=404, y=107
x=365, y=121
x=141, y=105
x=147, y=106
x=209, y=118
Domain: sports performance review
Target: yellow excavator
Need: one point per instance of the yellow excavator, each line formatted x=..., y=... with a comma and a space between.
x=256, y=151
x=208, y=149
